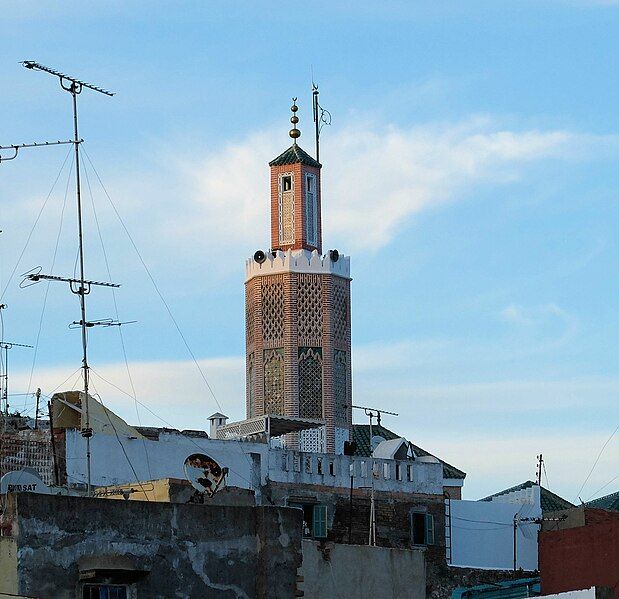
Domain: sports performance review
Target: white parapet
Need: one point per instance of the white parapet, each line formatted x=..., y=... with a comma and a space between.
x=302, y=261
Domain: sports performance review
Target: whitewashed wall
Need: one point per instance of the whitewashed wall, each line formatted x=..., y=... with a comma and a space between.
x=482, y=534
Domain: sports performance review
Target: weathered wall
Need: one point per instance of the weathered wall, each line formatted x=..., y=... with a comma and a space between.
x=8, y=565
x=331, y=570
x=581, y=557
x=183, y=550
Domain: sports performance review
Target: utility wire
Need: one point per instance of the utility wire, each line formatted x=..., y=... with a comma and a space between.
x=116, y=313
x=161, y=297
x=597, y=459
x=36, y=221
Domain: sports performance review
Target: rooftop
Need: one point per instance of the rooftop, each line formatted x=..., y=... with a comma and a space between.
x=295, y=155
x=361, y=436
x=608, y=502
x=551, y=502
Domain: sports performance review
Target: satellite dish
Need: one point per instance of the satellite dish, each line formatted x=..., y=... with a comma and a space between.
x=204, y=473
x=23, y=481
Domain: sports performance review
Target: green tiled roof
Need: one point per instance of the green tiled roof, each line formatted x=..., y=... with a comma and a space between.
x=294, y=155
x=551, y=502
x=608, y=502
x=361, y=436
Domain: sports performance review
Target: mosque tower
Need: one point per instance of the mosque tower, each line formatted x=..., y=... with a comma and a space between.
x=297, y=315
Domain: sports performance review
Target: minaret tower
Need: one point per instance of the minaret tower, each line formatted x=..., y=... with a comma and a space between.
x=298, y=311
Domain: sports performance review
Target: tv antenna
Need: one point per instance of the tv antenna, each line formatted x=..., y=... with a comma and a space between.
x=322, y=117
x=372, y=413
x=80, y=286
x=5, y=346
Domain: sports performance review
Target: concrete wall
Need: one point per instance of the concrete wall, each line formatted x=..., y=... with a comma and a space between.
x=172, y=550
x=482, y=534
x=250, y=464
x=332, y=571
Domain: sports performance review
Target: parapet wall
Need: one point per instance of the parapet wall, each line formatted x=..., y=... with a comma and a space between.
x=302, y=261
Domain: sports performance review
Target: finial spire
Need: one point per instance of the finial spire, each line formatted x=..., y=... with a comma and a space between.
x=294, y=119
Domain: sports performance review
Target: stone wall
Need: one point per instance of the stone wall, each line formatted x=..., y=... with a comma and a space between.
x=164, y=550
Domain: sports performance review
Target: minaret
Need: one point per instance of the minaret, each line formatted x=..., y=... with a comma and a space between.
x=298, y=311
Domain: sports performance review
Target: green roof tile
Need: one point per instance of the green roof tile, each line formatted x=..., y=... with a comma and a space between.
x=361, y=436
x=295, y=155
x=608, y=502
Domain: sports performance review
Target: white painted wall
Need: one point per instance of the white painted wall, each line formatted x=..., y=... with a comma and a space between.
x=482, y=533
x=584, y=594
x=250, y=464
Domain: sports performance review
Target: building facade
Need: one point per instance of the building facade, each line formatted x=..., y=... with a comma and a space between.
x=298, y=312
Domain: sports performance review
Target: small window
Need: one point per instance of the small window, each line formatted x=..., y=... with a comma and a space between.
x=314, y=521
x=286, y=183
x=422, y=525
x=310, y=184
x=104, y=591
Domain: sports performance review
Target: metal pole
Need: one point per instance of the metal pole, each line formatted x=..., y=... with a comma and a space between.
x=86, y=431
x=515, y=537
x=316, y=122
x=6, y=379
x=372, y=539
x=350, y=505
x=36, y=413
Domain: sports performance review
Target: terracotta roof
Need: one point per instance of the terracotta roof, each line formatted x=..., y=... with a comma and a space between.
x=361, y=436
x=294, y=155
x=608, y=502
x=551, y=502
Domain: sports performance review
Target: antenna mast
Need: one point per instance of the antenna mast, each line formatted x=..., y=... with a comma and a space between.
x=81, y=287
x=322, y=117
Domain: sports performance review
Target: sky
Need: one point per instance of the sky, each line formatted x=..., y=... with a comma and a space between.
x=470, y=172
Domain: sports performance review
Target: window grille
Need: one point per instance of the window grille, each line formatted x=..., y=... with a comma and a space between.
x=273, y=311
x=309, y=308
x=104, y=591
x=311, y=210
x=340, y=312
x=310, y=382
x=313, y=440
x=274, y=381
x=340, y=385
x=286, y=208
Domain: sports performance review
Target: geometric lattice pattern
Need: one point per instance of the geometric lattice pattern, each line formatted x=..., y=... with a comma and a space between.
x=313, y=440
x=274, y=381
x=249, y=319
x=309, y=307
x=311, y=210
x=17, y=453
x=340, y=385
x=251, y=384
x=310, y=382
x=273, y=311
x=340, y=312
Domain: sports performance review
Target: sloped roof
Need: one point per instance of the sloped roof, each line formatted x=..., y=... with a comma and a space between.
x=294, y=155
x=551, y=502
x=608, y=502
x=361, y=436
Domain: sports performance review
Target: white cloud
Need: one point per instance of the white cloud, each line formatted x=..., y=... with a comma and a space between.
x=375, y=177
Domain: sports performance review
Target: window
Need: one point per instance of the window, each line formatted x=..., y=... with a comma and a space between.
x=286, y=208
x=314, y=521
x=104, y=591
x=422, y=525
x=311, y=209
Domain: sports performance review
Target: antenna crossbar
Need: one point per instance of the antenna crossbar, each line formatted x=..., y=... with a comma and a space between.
x=17, y=147
x=35, y=278
x=10, y=345
x=31, y=64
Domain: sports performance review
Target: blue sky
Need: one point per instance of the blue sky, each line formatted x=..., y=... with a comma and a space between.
x=470, y=172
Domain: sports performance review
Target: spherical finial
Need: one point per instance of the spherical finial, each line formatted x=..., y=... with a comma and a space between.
x=294, y=119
